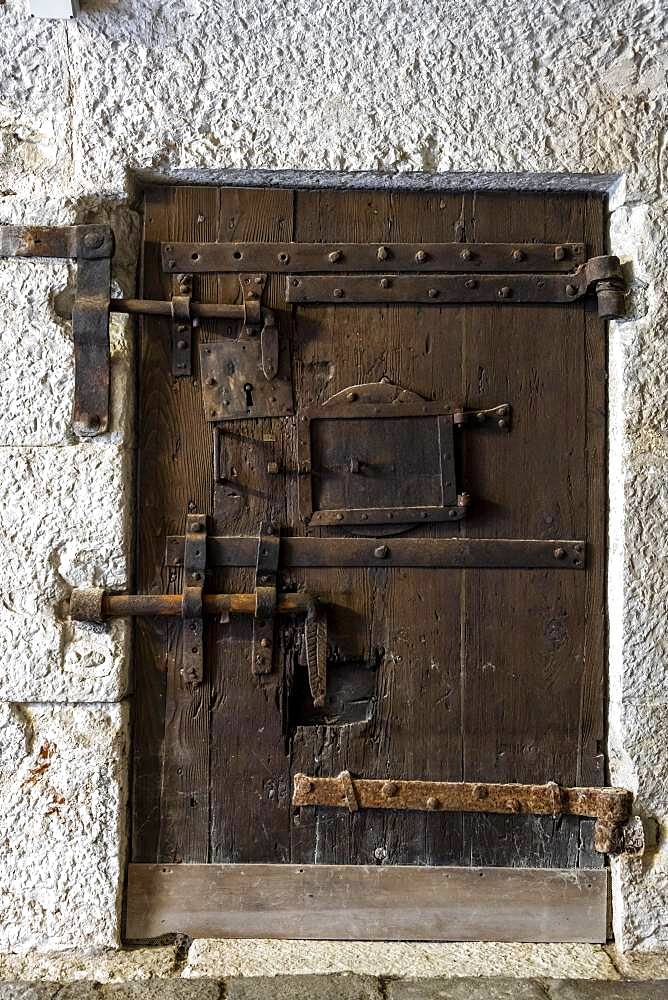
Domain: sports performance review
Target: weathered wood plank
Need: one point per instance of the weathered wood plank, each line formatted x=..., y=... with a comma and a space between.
x=367, y=903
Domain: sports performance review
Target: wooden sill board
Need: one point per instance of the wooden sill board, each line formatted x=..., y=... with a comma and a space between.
x=367, y=903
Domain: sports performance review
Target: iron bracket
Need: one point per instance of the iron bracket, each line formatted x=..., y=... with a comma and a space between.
x=610, y=807
x=192, y=606
x=92, y=247
x=266, y=571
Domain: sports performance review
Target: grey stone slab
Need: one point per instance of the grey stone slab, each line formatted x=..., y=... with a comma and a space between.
x=28, y=991
x=465, y=989
x=585, y=989
x=163, y=989
x=335, y=987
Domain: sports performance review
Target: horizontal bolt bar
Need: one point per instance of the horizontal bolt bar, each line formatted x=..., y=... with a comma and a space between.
x=165, y=605
x=153, y=307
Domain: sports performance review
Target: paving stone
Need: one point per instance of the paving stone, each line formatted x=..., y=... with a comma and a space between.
x=336, y=987
x=584, y=989
x=28, y=991
x=162, y=989
x=465, y=989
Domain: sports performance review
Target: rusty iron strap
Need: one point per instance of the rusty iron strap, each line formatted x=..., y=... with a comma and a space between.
x=290, y=258
x=602, y=275
x=192, y=603
x=427, y=553
x=610, y=807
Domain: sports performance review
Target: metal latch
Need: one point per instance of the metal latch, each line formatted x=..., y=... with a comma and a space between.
x=610, y=807
x=266, y=570
x=192, y=607
x=96, y=605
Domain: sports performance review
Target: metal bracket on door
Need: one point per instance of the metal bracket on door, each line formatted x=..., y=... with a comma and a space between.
x=610, y=807
x=266, y=570
x=194, y=571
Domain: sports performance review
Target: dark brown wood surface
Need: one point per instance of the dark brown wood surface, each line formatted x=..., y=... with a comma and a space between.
x=493, y=675
x=367, y=902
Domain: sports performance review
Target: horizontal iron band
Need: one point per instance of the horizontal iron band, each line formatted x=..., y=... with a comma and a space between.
x=435, y=289
x=611, y=807
x=426, y=553
x=290, y=258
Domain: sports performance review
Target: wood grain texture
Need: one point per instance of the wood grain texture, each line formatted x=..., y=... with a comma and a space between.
x=369, y=903
x=449, y=674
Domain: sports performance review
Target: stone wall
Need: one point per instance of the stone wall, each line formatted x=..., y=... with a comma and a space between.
x=194, y=88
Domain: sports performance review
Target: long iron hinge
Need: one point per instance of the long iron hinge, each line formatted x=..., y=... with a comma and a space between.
x=610, y=807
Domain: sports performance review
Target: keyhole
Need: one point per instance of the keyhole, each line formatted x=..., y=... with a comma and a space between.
x=248, y=389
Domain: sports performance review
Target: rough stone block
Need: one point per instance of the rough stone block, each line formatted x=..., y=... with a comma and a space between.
x=63, y=773
x=220, y=959
x=163, y=989
x=64, y=523
x=333, y=987
x=28, y=991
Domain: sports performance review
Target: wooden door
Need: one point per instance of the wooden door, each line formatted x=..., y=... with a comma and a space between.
x=469, y=671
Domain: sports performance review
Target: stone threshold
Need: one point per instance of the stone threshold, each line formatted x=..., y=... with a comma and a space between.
x=340, y=987
x=230, y=959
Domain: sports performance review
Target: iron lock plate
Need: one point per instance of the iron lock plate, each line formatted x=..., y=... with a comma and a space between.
x=234, y=382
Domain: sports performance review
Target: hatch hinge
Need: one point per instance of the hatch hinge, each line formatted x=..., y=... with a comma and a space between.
x=192, y=607
x=610, y=807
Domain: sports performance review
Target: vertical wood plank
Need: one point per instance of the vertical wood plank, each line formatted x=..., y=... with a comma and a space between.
x=250, y=791
x=402, y=624
x=184, y=827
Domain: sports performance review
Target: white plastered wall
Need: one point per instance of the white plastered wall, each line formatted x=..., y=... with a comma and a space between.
x=183, y=88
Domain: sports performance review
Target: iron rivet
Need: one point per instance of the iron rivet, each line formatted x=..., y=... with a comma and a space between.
x=93, y=241
x=505, y=292
x=197, y=576
x=351, y=397
x=171, y=263
x=502, y=423
x=390, y=789
x=382, y=552
x=338, y=293
x=423, y=514
x=452, y=514
x=284, y=258
x=481, y=417
x=433, y=293
x=339, y=517
x=211, y=381
x=196, y=526
x=181, y=344
x=518, y=255
x=433, y=803
x=265, y=643
x=182, y=328
x=385, y=283
x=571, y=290
x=471, y=283
x=467, y=254
x=421, y=256
x=336, y=255
x=383, y=253
x=559, y=253
x=560, y=553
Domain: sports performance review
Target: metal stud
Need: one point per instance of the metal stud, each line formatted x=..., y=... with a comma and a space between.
x=335, y=256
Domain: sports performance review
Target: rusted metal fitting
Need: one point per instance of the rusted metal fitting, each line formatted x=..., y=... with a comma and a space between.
x=86, y=604
x=610, y=807
x=348, y=790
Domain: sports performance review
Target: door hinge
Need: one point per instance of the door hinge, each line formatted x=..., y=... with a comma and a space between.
x=610, y=807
